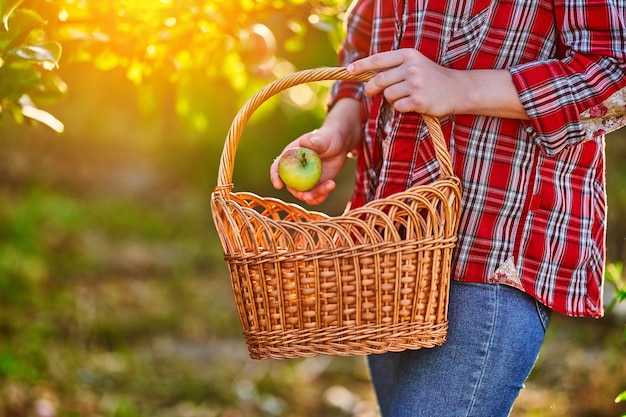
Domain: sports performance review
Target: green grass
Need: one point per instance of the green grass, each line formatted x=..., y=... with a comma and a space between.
x=111, y=308
x=115, y=301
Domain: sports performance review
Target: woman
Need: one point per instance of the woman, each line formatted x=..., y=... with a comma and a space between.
x=509, y=81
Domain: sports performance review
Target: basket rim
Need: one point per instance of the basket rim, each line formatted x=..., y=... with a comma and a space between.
x=445, y=204
x=227, y=158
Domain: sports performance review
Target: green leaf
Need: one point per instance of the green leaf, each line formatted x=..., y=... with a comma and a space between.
x=17, y=80
x=620, y=398
x=32, y=112
x=22, y=23
x=613, y=272
x=8, y=7
x=49, y=88
x=46, y=54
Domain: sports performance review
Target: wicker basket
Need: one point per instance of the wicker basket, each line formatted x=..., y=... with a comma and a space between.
x=372, y=280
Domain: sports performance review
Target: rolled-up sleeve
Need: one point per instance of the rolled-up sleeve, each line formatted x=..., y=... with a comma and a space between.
x=592, y=67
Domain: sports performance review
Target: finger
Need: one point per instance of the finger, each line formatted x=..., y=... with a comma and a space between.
x=404, y=105
x=315, y=142
x=274, y=177
x=383, y=81
x=377, y=62
x=317, y=194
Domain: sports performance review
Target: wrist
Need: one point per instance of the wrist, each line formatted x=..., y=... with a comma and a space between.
x=466, y=98
x=345, y=118
x=487, y=93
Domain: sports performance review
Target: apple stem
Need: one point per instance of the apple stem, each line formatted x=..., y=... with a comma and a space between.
x=303, y=159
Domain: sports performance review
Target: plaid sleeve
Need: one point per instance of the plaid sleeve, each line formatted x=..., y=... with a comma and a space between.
x=356, y=45
x=591, y=67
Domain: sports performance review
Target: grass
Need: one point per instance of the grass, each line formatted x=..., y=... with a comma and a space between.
x=110, y=307
x=115, y=302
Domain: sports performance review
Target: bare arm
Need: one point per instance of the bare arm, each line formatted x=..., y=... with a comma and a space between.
x=412, y=82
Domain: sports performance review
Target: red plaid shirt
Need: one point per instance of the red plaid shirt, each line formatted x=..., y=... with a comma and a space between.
x=534, y=201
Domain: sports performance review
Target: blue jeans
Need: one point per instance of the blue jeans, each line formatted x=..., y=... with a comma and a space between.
x=494, y=337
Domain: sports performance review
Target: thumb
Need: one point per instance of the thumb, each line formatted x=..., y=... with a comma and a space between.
x=315, y=142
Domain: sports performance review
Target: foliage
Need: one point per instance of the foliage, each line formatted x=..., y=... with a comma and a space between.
x=28, y=63
x=186, y=43
x=614, y=279
x=614, y=274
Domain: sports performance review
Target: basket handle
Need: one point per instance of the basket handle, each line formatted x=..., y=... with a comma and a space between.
x=227, y=161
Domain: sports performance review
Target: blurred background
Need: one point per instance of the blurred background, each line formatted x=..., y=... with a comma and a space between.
x=114, y=297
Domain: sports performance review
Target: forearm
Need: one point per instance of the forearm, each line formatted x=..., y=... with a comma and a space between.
x=488, y=93
x=345, y=118
x=412, y=82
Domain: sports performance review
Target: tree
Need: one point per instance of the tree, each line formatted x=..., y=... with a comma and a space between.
x=155, y=42
x=28, y=60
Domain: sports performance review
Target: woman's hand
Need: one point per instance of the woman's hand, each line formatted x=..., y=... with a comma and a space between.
x=339, y=134
x=323, y=141
x=411, y=82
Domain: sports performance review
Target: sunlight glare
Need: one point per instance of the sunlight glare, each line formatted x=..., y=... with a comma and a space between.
x=170, y=22
x=151, y=51
x=63, y=15
x=303, y=96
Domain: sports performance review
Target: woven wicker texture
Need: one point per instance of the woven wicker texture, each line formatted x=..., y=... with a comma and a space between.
x=372, y=280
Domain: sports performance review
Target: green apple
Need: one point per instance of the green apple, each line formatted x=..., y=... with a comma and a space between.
x=300, y=168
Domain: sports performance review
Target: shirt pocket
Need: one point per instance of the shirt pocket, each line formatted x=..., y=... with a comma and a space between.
x=466, y=37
